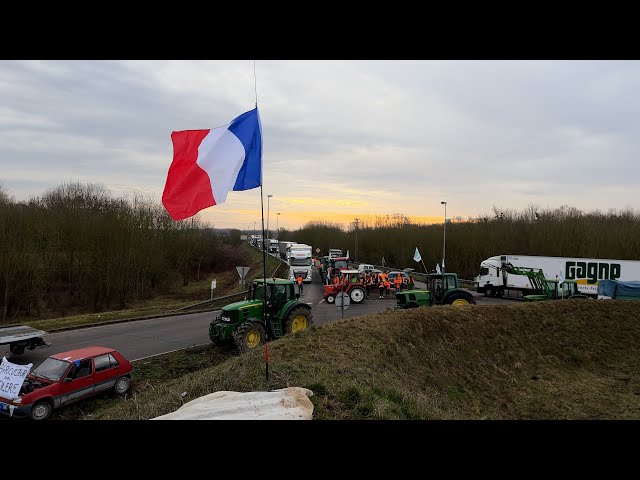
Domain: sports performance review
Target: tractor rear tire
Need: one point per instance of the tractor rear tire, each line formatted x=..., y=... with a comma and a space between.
x=249, y=335
x=459, y=299
x=357, y=295
x=298, y=320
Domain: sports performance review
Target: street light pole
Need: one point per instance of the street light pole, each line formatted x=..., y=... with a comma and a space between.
x=268, y=198
x=278, y=226
x=444, y=239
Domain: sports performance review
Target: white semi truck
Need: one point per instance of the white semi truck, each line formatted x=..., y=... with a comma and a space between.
x=494, y=279
x=299, y=258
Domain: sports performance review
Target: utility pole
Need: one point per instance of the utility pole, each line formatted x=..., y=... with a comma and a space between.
x=278, y=226
x=444, y=238
x=356, y=252
x=268, y=199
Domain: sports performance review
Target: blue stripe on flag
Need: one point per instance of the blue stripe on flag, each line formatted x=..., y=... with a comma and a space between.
x=249, y=131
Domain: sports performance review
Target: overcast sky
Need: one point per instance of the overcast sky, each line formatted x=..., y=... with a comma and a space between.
x=342, y=139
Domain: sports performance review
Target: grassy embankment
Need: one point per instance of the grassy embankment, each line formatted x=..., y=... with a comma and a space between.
x=571, y=359
x=196, y=291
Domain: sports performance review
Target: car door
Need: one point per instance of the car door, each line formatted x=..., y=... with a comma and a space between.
x=79, y=381
x=107, y=370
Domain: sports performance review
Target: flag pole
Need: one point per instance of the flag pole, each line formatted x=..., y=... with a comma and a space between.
x=264, y=306
x=267, y=325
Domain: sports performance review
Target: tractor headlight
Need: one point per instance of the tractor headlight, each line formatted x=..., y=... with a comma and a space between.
x=224, y=318
x=17, y=400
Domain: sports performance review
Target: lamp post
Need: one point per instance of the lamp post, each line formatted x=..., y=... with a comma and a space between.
x=268, y=198
x=278, y=226
x=444, y=239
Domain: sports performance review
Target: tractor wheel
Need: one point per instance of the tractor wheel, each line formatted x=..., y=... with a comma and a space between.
x=331, y=298
x=459, y=299
x=489, y=291
x=248, y=336
x=357, y=295
x=299, y=319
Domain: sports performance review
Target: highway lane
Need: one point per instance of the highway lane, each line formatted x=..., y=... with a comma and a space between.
x=142, y=338
x=137, y=339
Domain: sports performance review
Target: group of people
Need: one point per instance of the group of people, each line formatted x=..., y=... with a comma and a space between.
x=381, y=281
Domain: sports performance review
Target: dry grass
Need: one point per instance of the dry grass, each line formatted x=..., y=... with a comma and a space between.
x=548, y=360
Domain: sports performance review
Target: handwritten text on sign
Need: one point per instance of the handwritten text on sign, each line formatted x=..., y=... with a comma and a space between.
x=11, y=378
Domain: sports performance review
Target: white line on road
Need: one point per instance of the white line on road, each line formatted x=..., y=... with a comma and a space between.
x=321, y=301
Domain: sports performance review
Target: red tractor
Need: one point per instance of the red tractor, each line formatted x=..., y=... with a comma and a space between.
x=353, y=287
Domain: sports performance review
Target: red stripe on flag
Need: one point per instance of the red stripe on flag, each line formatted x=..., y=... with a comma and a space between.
x=188, y=187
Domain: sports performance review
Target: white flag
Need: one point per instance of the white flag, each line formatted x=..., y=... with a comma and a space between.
x=438, y=271
x=416, y=256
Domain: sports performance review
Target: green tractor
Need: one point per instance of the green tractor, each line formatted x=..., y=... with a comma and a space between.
x=442, y=289
x=547, y=289
x=242, y=322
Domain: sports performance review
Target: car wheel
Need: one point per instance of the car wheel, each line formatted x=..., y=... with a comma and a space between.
x=41, y=410
x=489, y=291
x=122, y=385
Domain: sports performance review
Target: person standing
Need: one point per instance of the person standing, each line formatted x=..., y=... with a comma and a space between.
x=300, y=285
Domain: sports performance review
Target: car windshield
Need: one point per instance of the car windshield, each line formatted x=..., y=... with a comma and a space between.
x=51, y=369
x=340, y=264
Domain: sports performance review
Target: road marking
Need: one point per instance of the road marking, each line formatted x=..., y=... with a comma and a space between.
x=309, y=303
x=321, y=301
x=164, y=353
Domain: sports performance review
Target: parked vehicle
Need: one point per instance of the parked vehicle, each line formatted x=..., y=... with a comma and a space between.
x=365, y=268
x=283, y=247
x=19, y=337
x=615, y=289
x=300, y=260
x=494, y=279
x=67, y=377
x=442, y=289
x=393, y=275
x=335, y=252
x=333, y=267
x=242, y=322
x=354, y=288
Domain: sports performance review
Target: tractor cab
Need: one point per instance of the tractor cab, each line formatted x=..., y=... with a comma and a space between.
x=279, y=293
x=441, y=283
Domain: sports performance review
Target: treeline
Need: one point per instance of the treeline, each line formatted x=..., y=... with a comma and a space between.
x=565, y=231
x=77, y=248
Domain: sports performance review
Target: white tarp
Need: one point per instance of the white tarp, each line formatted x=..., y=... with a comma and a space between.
x=290, y=403
x=11, y=378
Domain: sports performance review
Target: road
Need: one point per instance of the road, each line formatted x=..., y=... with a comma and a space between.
x=143, y=338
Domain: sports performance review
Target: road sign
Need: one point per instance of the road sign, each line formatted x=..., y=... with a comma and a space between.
x=213, y=284
x=343, y=298
x=242, y=271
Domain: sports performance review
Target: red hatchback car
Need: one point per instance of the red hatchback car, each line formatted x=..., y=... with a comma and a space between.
x=67, y=377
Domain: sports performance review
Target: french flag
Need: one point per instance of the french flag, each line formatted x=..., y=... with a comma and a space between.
x=208, y=164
